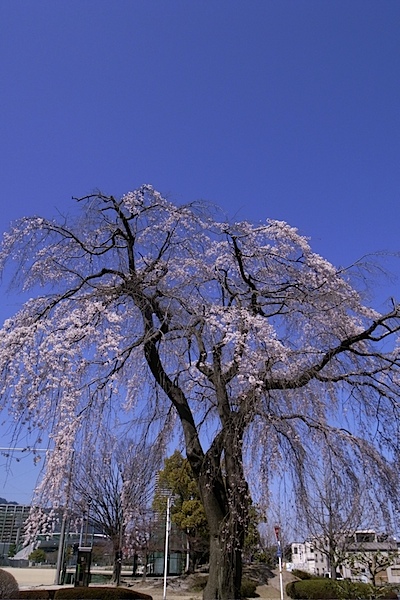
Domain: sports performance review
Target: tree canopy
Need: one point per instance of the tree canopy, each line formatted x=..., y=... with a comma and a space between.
x=187, y=511
x=260, y=350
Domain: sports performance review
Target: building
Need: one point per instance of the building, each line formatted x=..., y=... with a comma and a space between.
x=364, y=556
x=372, y=558
x=13, y=518
x=12, y=521
x=303, y=556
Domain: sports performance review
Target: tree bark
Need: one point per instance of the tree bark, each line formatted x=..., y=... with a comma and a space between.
x=224, y=494
x=225, y=501
x=117, y=566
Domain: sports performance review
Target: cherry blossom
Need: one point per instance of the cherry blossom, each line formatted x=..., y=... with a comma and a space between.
x=237, y=337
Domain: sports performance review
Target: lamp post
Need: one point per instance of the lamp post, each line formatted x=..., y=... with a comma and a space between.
x=89, y=503
x=279, y=554
x=167, y=530
x=59, y=578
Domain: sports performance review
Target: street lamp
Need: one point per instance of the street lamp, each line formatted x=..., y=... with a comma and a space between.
x=167, y=530
x=277, y=530
x=89, y=503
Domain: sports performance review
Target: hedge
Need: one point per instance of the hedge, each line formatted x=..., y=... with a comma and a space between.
x=99, y=593
x=248, y=588
x=303, y=574
x=328, y=589
x=36, y=594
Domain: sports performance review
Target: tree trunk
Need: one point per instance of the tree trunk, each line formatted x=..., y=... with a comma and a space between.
x=135, y=564
x=117, y=567
x=219, y=472
x=146, y=562
x=225, y=501
x=332, y=558
x=225, y=571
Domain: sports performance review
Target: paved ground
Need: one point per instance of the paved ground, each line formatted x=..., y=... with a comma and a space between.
x=32, y=577
x=41, y=577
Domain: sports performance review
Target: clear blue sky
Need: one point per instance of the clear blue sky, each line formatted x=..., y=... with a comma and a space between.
x=269, y=108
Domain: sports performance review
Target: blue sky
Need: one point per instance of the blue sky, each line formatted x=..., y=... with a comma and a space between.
x=282, y=109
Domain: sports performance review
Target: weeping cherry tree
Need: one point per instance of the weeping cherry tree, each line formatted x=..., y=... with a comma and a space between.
x=256, y=350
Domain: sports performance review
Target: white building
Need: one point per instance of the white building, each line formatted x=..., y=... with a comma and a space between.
x=303, y=556
x=366, y=556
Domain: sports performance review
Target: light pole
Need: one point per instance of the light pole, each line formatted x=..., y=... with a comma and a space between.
x=167, y=530
x=279, y=554
x=89, y=503
x=59, y=578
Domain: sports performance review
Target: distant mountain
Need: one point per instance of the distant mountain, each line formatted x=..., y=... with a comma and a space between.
x=4, y=501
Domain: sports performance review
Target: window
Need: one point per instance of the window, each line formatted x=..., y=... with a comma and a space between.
x=364, y=537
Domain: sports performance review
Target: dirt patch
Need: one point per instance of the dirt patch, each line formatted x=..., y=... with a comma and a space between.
x=181, y=588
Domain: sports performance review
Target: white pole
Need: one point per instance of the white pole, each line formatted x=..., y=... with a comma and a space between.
x=61, y=543
x=277, y=529
x=187, y=552
x=166, y=550
x=61, y=550
x=280, y=568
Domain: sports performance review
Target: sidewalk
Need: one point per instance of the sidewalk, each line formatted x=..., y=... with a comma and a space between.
x=41, y=577
x=32, y=577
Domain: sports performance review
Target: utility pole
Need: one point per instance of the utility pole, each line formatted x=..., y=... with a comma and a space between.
x=61, y=544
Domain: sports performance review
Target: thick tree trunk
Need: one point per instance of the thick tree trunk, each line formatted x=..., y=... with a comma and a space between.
x=225, y=500
x=117, y=567
x=225, y=572
x=226, y=544
x=219, y=472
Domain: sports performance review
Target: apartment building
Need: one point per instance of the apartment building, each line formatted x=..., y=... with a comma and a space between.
x=364, y=556
x=12, y=520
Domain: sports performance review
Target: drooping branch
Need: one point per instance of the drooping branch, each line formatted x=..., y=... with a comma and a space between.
x=244, y=333
x=346, y=346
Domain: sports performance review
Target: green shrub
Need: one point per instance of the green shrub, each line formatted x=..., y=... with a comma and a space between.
x=353, y=589
x=327, y=589
x=100, y=579
x=302, y=574
x=290, y=590
x=248, y=589
x=37, y=594
x=99, y=593
x=8, y=585
x=318, y=588
x=37, y=556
